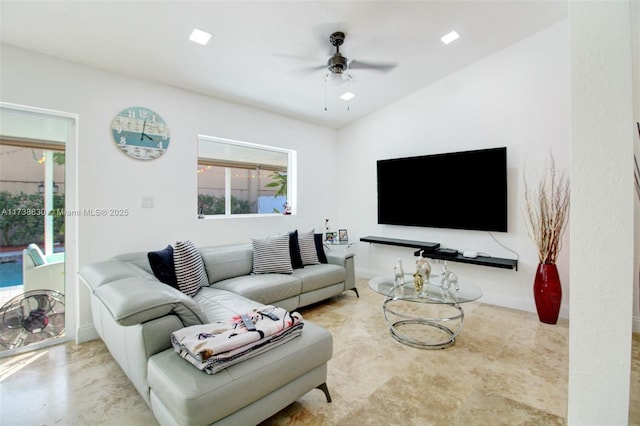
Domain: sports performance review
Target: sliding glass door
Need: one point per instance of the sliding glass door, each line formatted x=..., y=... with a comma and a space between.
x=32, y=228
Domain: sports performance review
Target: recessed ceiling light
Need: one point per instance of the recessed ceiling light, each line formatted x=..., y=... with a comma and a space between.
x=450, y=37
x=200, y=37
x=347, y=96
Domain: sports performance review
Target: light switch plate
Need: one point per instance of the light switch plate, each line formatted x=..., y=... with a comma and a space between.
x=146, y=202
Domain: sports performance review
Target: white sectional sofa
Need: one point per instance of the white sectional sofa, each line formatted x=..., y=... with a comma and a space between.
x=134, y=314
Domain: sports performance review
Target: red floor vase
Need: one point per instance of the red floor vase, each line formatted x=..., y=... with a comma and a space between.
x=547, y=293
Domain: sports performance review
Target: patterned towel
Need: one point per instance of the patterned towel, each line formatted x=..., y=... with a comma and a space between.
x=215, y=346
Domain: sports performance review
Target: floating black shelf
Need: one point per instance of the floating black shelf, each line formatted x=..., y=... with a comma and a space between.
x=430, y=251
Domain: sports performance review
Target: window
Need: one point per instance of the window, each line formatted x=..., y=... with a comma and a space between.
x=241, y=178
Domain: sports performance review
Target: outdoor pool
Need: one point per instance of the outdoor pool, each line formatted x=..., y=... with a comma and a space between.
x=10, y=273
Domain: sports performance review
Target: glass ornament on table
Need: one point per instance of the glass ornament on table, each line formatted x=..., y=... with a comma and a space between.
x=398, y=281
x=448, y=279
x=423, y=267
x=418, y=282
x=449, y=282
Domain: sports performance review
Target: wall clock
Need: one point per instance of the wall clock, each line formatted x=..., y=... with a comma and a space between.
x=140, y=133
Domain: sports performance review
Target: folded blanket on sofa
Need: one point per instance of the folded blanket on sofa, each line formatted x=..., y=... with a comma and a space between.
x=220, y=362
x=212, y=347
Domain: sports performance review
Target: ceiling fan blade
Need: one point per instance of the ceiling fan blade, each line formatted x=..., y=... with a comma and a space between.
x=384, y=67
x=298, y=57
x=315, y=68
x=305, y=59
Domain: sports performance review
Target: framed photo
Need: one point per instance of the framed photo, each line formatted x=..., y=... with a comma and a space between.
x=331, y=237
x=342, y=235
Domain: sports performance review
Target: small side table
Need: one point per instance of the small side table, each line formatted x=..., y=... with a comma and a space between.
x=341, y=244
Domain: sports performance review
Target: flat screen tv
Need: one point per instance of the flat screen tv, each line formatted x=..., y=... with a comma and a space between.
x=457, y=190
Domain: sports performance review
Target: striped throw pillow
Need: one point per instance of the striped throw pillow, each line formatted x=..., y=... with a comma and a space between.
x=308, y=251
x=271, y=255
x=190, y=272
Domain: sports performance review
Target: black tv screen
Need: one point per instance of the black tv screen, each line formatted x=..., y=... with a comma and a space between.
x=458, y=190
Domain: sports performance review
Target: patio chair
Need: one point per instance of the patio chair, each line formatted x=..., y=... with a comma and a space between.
x=42, y=272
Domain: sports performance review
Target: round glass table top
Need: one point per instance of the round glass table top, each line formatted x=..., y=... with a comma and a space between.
x=432, y=292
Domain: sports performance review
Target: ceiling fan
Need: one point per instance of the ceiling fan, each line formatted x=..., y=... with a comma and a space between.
x=338, y=64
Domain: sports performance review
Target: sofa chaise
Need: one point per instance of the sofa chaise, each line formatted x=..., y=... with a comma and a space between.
x=134, y=314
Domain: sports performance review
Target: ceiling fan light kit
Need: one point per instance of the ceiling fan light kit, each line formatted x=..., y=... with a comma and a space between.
x=345, y=96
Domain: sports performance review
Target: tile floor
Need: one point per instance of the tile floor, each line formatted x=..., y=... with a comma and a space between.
x=506, y=368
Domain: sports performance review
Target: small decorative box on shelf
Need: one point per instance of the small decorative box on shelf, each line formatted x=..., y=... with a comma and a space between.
x=431, y=250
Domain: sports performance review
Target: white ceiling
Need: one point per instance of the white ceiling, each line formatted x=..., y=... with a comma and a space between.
x=261, y=51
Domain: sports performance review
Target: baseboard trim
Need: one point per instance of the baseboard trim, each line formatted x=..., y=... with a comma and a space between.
x=86, y=333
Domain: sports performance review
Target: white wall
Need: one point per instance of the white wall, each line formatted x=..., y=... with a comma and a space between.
x=109, y=179
x=602, y=200
x=518, y=98
x=635, y=80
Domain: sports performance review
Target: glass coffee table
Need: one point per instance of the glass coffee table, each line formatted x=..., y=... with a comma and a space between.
x=404, y=310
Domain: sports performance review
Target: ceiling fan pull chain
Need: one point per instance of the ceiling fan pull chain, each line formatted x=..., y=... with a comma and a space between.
x=325, y=91
x=349, y=90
